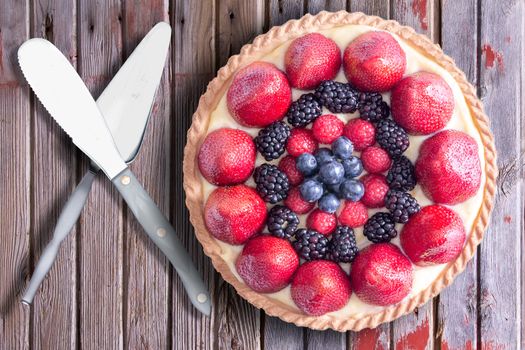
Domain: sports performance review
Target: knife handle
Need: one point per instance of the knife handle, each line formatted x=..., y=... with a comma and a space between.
x=163, y=235
x=67, y=219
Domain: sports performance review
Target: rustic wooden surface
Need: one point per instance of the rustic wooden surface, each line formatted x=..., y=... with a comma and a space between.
x=111, y=288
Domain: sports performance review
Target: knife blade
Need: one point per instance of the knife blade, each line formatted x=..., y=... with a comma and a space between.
x=125, y=104
x=63, y=93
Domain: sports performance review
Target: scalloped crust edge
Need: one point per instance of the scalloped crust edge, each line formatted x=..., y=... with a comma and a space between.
x=207, y=103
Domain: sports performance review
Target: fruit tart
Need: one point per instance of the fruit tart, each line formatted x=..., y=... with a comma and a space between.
x=340, y=171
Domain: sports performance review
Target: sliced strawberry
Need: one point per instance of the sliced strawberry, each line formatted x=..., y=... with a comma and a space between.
x=234, y=214
x=381, y=274
x=227, y=157
x=259, y=95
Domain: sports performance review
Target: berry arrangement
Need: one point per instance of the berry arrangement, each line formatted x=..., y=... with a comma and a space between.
x=332, y=154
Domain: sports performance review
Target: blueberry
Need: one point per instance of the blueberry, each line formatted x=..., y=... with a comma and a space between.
x=329, y=203
x=311, y=190
x=306, y=164
x=352, y=190
x=331, y=173
x=334, y=188
x=353, y=167
x=342, y=147
x=323, y=155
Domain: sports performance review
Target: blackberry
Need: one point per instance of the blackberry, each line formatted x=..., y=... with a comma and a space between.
x=391, y=137
x=304, y=111
x=402, y=175
x=380, y=228
x=337, y=97
x=271, y=141
x=310, y=244
x=372, y=107
x=282, y=222
x=272, y=183
x=401, y=205
x=342, y=245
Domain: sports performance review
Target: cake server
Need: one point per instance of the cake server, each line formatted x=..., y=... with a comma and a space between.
x=125, y=104
x=64, y=95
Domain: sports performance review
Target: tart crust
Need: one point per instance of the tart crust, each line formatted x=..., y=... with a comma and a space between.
x=216, y=88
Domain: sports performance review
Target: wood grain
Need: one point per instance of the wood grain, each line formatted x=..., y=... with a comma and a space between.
x=415, y=330
x=15, y=171
x=456, y=315
x=101, y=224
x=54, y=321
x=193, y=65
x=146, y=271
x=501, y=45
x=316, y=6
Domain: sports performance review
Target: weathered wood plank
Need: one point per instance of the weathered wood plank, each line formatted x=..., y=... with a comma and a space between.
x=146, y=271
x=316, y=6
x=54, y=164
x=101, y=224
x=378, y=338
x=416, y=329
x=456, y=316
x=193, y=52
x=15, y=182
x=501, y=67
x=278, y=334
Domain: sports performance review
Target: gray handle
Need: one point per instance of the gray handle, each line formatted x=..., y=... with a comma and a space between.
x=65, y=223
x=163, y=235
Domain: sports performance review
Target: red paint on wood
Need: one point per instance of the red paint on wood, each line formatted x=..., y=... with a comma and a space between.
x=493, y=346
x=419, y=9
x=492, y=57
x=507, y=219
x=369, y=339
x=417, y=339
x=466, y=346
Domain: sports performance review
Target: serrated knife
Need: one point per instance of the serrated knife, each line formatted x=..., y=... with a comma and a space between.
x=64, y=95
x=125, y=104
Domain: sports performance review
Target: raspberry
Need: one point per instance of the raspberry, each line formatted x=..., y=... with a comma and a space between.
x=380, y=228
x=282, y=222
x=304, y=111
x=342, y=245
x=360, y=132
x=375, y=160
x=296, y=203
x=287, y=166
x=301, y=141
x=321, y=222
x=271, y=140
x=310, y=244
x=272, y=184
x=376, y=188
x=353, y=214
x=327, y=128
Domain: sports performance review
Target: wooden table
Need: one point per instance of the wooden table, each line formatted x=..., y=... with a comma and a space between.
x=111, y=288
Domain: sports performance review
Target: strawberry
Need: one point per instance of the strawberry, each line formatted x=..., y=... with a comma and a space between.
x=448, y=167
x=376, y=188
x=267, y=264
x=381, y=274
x=375, y=160
x=321, y=222
x=327, y=128
x=319, y=287
x=361, y=133
x=259, y=95
x=301, y=141
x=227, y=157
x=233, y=214
x=435, y=235
x=287, y=166
x=374, y=61
x=296, y=203
x=311, y=59
x=353, y=214
x=422, y=103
